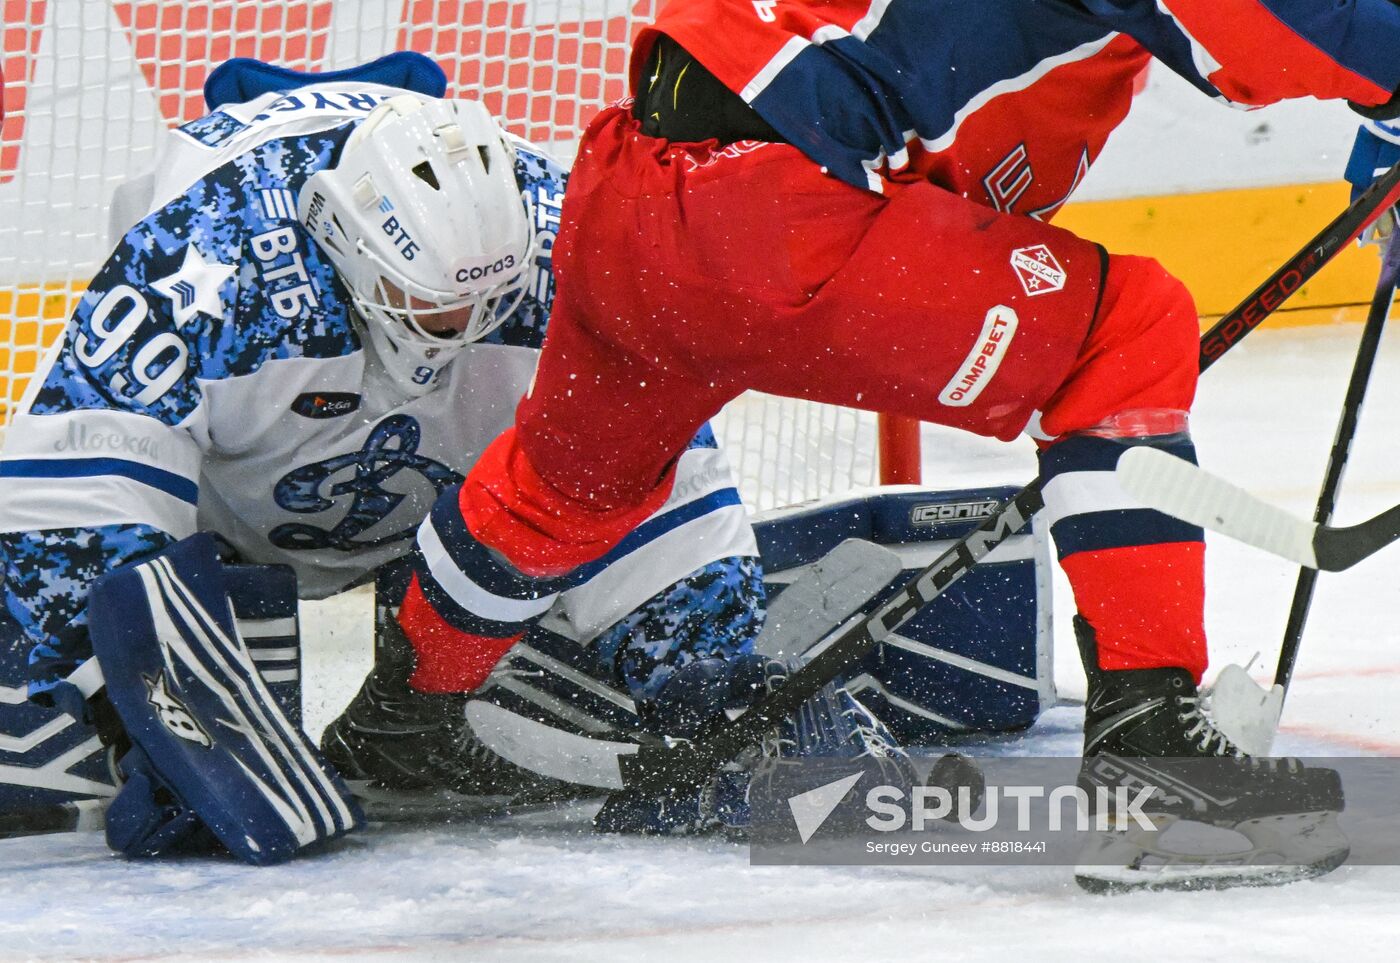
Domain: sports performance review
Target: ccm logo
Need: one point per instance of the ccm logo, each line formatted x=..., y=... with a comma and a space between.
x=984, y=359
x=957, y=511
x=486, y=270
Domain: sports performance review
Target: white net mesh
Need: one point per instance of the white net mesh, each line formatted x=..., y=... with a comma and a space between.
x=91, y=84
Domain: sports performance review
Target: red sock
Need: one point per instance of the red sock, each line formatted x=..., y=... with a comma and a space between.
x=1145, y=603
x=449, y=660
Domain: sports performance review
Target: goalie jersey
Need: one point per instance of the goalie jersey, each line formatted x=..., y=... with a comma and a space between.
x=212, y=378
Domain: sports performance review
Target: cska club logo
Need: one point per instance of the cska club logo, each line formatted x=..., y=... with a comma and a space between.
x=1037, y=270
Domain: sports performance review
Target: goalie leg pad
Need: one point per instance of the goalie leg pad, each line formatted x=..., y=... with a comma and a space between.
x=978, y=659
x=146, y=818
x=54, y=777
x=264, y=600
x=212, y=740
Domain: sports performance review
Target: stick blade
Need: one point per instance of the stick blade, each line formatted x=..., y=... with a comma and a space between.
x=1178, y=488
x=828, y=592
x=1246, y=711
x=1341, y=548
x=546, y=750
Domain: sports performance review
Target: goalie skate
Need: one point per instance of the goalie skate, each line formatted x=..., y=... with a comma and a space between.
x=830, y=725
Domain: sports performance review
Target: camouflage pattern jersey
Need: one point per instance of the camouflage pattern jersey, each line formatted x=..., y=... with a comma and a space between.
x=213, y=378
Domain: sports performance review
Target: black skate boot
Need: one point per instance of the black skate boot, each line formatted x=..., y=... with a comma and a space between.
x=410, y=754
x=1149, y=743
x=1145, y=712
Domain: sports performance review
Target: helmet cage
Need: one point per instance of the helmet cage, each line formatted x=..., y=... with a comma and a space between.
x=422, y=217
x=403, y=304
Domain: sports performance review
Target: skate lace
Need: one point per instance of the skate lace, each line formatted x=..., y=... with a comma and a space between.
x=781, y=739
x=511, y=672
x=777, y=744
x=875, y=740
x=467, y=744
x=475, y=750
x=1204, y=731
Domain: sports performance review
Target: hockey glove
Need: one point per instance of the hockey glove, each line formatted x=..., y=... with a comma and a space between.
x=1375, y=151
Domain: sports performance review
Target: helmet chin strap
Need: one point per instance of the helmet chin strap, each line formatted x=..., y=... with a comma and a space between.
x=413, y=367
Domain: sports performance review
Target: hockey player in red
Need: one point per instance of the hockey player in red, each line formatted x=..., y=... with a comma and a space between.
x=848, y=201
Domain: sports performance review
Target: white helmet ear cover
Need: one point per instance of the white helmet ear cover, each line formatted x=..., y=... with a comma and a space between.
x=422, y=216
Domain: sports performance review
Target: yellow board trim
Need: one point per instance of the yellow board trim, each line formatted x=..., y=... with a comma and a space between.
x=31, y=318
x=1223, y=243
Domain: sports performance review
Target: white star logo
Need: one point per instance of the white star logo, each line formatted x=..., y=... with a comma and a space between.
x=172, y=712
x=195, y=287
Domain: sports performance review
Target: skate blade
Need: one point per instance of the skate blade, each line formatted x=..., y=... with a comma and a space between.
x=408, y=806
x=1108, y=881
x=75, y=816
x=443, y=805
x=1280, y=850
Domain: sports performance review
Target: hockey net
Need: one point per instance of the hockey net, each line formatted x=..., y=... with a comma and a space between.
x=90, y=86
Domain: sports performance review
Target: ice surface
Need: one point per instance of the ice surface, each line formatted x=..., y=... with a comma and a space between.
x=542, y=887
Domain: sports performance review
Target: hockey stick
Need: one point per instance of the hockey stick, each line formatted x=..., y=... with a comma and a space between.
x=655, y=766
x=1192, y=494
x=1337, y=458
x=827, y=593
x=1240, y=707
x=79, y=815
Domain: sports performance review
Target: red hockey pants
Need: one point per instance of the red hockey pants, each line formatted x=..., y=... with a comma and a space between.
x=689, y=273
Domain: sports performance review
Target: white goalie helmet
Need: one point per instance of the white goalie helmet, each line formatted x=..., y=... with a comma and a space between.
x=426, y=225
